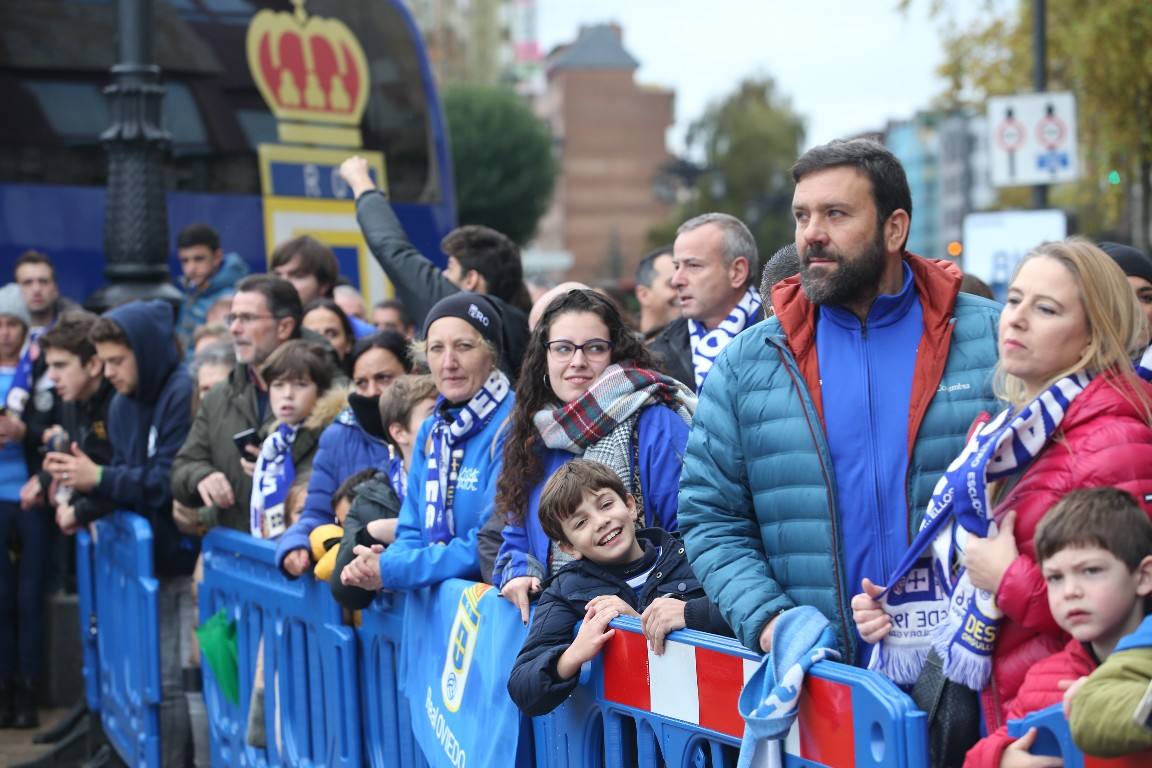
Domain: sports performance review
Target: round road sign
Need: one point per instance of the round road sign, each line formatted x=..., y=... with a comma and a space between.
x=1010, y=135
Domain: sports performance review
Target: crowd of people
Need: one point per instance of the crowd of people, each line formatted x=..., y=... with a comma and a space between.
x=960, y=490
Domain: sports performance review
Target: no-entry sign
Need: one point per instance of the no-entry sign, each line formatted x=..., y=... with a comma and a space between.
x=1033, y=138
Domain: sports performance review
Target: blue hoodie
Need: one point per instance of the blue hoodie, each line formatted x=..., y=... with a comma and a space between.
x=146, y=430
x=1141, y=638
x=197, y=301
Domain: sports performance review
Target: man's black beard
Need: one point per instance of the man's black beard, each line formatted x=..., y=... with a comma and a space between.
x=850, y=282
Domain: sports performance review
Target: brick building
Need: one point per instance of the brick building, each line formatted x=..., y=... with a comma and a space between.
x=610, y=138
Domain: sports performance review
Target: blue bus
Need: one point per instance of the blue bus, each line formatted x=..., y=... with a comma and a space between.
x=55, y=57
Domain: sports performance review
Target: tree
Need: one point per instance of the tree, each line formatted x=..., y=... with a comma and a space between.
x=502, y=155
x=1100, y=52
x=749, y=139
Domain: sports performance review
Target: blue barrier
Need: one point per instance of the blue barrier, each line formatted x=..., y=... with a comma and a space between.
x=680, y=709
x=128, y=641
x=1054, y=738
x=388, y=741
x=86, y=598
x=310, y=660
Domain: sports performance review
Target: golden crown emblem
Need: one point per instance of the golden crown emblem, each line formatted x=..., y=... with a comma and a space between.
x=312, y=73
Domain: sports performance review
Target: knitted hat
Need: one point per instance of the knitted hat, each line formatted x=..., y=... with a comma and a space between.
x=12, y=304
x=473, y=308
x=1132, y=261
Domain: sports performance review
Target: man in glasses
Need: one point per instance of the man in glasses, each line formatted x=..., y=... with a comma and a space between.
x=213, y=470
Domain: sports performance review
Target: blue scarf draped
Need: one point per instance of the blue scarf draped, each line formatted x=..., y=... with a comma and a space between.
x=16, y=398
x=446, y=451
x=707, y=345
x=274, y=475
x=931, y=599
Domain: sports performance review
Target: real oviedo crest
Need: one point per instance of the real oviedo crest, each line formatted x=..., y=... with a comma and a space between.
x=461, y=644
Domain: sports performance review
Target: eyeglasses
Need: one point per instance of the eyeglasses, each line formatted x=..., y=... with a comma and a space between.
x=244, y=318
x=594, y=349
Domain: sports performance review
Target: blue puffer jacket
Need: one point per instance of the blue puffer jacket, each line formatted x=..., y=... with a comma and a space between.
x=344, y=450
x=412, y=562
x=662, y=435
x=198, y=301
x=758, y=507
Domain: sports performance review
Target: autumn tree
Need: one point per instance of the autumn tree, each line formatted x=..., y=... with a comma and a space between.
x=1102, y=52
x=503, y=161
x=748, y=141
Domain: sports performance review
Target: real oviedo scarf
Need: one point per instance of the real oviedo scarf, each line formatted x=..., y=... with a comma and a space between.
x=931, y=599
x=275, y=472
x=707, y=345
x=446, y=451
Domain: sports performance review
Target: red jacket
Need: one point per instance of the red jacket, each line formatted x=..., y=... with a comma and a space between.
x=1040, y=690
x=1104, y=440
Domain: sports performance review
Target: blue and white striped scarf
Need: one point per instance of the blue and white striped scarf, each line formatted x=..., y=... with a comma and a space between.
x=446, y=450
x=16, y=398
x=930, y=598
x=274, y=475
x=707, y=345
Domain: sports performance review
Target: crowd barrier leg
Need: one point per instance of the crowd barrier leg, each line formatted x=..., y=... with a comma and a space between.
x=311, y=670
x=128, y=639
x=86, y=597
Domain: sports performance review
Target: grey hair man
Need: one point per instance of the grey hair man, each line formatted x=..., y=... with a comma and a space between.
x=714, y=260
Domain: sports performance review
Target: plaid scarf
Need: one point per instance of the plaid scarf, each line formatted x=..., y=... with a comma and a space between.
x=447, y=439
x=274, y=475
x=931, y=599
x=707, y=345
x=598, y=425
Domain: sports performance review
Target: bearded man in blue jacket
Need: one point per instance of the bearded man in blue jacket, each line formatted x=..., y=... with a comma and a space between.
x=822, y=431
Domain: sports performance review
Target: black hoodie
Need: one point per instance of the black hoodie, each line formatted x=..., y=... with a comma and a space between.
x=147, y=428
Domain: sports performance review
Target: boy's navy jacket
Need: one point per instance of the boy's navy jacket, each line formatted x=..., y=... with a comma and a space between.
x=533, y=684
x=147, y=428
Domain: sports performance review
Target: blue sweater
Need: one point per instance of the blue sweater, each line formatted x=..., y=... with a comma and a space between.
x=344, y=450
x=411, y=561
x=146, y=430
x=662, y=436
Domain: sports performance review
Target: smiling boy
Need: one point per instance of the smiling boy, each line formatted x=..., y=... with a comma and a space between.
x=617, y=571
x=1095, y=551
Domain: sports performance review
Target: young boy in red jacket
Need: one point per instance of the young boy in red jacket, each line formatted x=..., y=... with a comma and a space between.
x=1095, y=551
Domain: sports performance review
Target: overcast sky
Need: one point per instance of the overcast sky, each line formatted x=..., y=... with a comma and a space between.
x=847, y=65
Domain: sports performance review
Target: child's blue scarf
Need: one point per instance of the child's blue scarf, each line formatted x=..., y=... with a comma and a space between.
x=931, y=599
x=446, y=450
x=274, y=475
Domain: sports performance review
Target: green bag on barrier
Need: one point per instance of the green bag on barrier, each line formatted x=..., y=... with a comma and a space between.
x=218, y=645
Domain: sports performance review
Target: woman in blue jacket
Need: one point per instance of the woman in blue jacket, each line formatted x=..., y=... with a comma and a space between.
x=587, y=389
x=452, y=479
x=354, y=441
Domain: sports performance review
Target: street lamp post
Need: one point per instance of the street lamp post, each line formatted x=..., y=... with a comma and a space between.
x=136, y=215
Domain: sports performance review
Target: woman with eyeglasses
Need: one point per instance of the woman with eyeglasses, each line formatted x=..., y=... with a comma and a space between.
x=587, y=389
x=352, y=442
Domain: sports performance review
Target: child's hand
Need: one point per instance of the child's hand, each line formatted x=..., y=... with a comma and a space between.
x=872, y=622
x=593, y=634
x=1070, y=687
x=664, y=615
x=297, y=561
x=1017, y=756
x=517, y=592
x=364, y=571
x=611, y=603
x=384, y=531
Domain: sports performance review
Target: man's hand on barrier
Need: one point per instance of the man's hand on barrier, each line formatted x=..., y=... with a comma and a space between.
x=611, y=603
x=297, y=561
x=32, y=493
x=364, y=571
x=215, y=489
x=872, y=622
x=766, y=635
x=518, y=591
x=593, y=634
x=1016, y=755
x=664, y=615
x=66, y=519
x=1070, y=687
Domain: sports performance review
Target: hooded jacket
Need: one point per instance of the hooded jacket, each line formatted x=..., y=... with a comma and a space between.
x=758, y=503
x=1103, y=711
x=198, y=300
x=146, y=429
x=1103, y=441
x=345, y=448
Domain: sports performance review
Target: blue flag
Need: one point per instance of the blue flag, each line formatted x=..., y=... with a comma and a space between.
x=460, y=640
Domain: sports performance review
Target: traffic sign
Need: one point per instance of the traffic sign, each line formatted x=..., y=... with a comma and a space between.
x=1033, y=139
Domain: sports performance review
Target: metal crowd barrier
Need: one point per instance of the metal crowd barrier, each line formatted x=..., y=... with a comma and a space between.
x=86, y=597
x=1054, y=738
x=124, y=591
